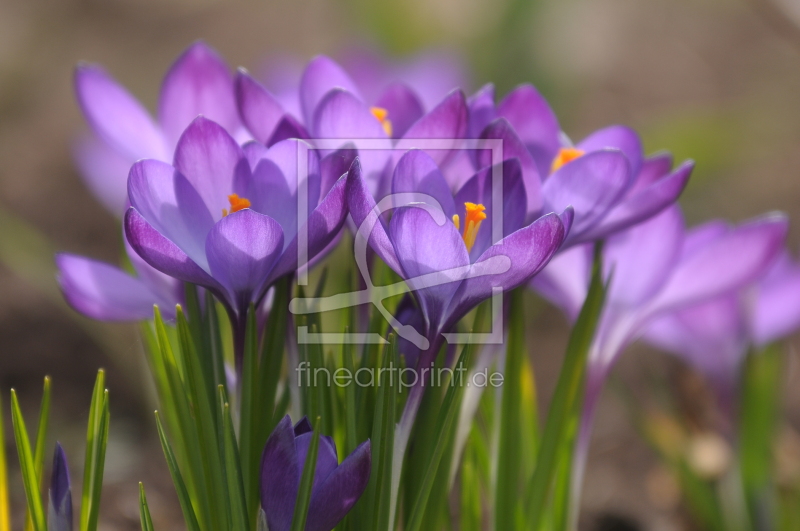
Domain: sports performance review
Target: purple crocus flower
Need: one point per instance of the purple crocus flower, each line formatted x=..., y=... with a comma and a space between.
x=337, y=487
x=658, y=267
x=333, y=110
x=226, y=217
x=714, y=336
x=199, y=82
x=605, y=177
x=59, y=516
x=107, y=293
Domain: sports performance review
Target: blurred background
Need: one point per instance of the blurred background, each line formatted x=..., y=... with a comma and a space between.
x=713, y=80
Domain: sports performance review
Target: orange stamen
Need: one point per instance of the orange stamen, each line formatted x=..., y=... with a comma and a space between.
x=382, y=116
x=472, y=222
x=565, y=155
x=237, y=204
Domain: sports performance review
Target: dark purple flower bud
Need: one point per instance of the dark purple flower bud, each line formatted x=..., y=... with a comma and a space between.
x=60, y=509
x=337, y=487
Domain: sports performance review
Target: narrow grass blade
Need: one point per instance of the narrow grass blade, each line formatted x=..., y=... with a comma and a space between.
x=144, y=510
x=27, y=466
x=177, y=479
x=233, y=468
x=446, y=420
x=306, y=481
x=249, y=451
x=383, y=429
x=41, y=440
x=5, y=512
x=96, y=441
x=568, y=390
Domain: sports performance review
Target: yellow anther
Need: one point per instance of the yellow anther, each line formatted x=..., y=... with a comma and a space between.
x=382, y=115
x=237, y=204
x=472, y=222
x=565, y=155
x=457, y=221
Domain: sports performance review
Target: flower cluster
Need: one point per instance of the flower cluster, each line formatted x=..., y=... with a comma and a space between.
x=235, y=189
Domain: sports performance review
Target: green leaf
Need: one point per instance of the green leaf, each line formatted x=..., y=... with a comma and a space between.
x=5, y=510
x=249, y=422
x=144, y=510
x=306, y=481
x=177, y=479
x=568, y=391
x=233, y=468
x=383, y=429
x=94, y=464
x=446, y=420
x=27, y=466
x=41, y=441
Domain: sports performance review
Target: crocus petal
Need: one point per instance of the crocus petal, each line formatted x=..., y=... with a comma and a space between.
x=482, y=110
x=591, y=184
x=288, y=127
x=333, y=166
x=254, y=152
x=167, y=200
x=514, y=260
x=416, y=172
x=721, y=265
x=259, y=110
x=104, y=292
x=242, y=249
x=513, y=147
x=340, y=491
x=321, y=76
x=618, y=137
x=323, y=225
x=427, y=243
x=60, y=506
x=654, y=169
x=212, y=161
x=446, y=123
x=535, y=122
x=565, y=280
x=163, y=254
x=408, y=314
x=645, y=203
x=777, y=308
x=342, y=116
x=368, y=222
x=302, y=426
x=280, y=476
x=403, y=106
x=327, y=459
x=199, y=82
x=105, y=172
x=168, y=288
x=641, y=258
x=479, y=189
x=116, y=116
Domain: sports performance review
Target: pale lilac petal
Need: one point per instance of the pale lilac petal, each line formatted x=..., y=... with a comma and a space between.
x=642, y=258
x=280, y=477
x=482, y=110
x=321, y=76
x=403, y=106
x=777, y=305
x=288, y=127
x=591, y=184
x=480, y=189
x=162, y=254
x=535, y=122
x=645, y=203
x=117, y=117
x=254, y=152
x=169, y=203
x=513, y=147
x=618, y=137
x=242, y=249
x=565, y=280
x=654, y=169
x=446, y=123
x=726, y=263
x=104, y=292
x=424, y=246
x=212, y=161
x=259, y=110
x=167, y=287
x=333, y=166
x=509, y=263
x=340, y=491
x=105, y=172
x=198, y=83
x=416, y=172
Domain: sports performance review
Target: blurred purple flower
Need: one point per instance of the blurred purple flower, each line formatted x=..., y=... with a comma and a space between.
x=179, y=221
x=605, y=177
x=715, y=336
x=107, y=293
x=60, y=507
x=337, y=487
x=199, y=82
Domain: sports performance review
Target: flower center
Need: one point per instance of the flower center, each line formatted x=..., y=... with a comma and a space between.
x=237, y=204
x=382, y=116
x=474, y=217
x=567, y=154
